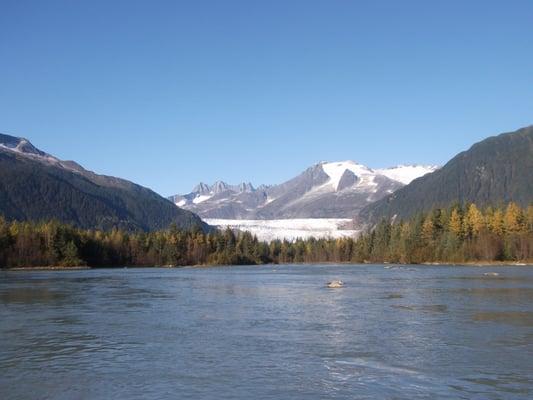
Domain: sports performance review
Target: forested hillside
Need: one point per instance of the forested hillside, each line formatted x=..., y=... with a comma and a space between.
x=493, y=172
x=36, y=186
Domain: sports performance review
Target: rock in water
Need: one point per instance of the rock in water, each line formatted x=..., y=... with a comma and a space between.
x=335, y=284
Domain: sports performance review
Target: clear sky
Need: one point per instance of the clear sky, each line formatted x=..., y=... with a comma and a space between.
x=169, y=93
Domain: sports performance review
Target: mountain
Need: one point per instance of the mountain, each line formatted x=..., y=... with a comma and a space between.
x=325, y=190
x=36, y=186
x=494, y=171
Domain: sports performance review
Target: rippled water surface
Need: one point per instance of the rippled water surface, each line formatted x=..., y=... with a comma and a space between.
x=272, y=332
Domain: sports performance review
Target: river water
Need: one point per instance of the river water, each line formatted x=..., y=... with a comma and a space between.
x=269, y=332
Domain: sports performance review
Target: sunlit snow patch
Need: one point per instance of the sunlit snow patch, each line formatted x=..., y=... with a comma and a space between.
x=181, y=203
x=335, y=170
x=407, y=173
x=200, y=199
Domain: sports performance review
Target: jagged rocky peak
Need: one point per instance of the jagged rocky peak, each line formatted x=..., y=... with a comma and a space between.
x=246, y=187
x=348, y=179
x=219, y=187
x=324, y=190
x=202, y=188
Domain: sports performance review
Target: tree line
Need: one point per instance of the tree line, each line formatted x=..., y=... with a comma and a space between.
x=453, y=235
x=456, y=234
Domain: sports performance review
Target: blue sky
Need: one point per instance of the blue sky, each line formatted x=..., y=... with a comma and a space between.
x=168, y=93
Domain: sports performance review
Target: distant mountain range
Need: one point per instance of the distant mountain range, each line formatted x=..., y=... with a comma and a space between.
x=325, y=190
x=37, y=186
x=494, y=171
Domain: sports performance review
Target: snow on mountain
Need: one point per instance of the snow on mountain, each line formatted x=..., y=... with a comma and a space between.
x=181, y=202
x=200, y=198
x=324, y=190
x=290, y=229
x=336, y=171
x=20, y=145
x=24, y=148
x=219, y=192
x=401, y=173
x=407, y=173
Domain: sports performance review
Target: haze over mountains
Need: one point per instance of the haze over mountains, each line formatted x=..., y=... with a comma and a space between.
x=324, y=190
x=37, y=186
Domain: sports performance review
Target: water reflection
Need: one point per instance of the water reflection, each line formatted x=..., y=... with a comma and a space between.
x=273, y=331
x=31, y=295
x=522, y=318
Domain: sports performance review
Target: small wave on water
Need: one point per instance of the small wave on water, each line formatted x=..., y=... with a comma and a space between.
x=384, y=380
x=429, y=308
x=381, y=379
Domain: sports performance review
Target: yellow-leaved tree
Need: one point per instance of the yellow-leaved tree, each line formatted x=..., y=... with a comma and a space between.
x=473, y=221
x=513, y=219
x=496, y=223
x=456, y=223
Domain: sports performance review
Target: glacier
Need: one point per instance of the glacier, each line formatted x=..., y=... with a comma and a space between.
x=290, y=229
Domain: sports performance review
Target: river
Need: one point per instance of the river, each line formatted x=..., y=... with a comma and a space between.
x=268, y=332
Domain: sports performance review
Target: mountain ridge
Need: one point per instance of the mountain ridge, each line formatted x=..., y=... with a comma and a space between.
x=493, y=171
x=323, y=190
x=35, y=185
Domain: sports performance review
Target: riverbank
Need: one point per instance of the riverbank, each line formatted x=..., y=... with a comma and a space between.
x=50, y=268
x=483, y=264
x=201, y=266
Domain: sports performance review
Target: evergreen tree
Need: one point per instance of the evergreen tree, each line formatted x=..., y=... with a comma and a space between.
x=70, y=255
x=428, y=230
x=530, y=219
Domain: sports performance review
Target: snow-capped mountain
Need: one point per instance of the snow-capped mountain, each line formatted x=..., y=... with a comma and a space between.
x=325, y=190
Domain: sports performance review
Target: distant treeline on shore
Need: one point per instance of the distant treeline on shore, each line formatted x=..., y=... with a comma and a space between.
x=453, y=235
